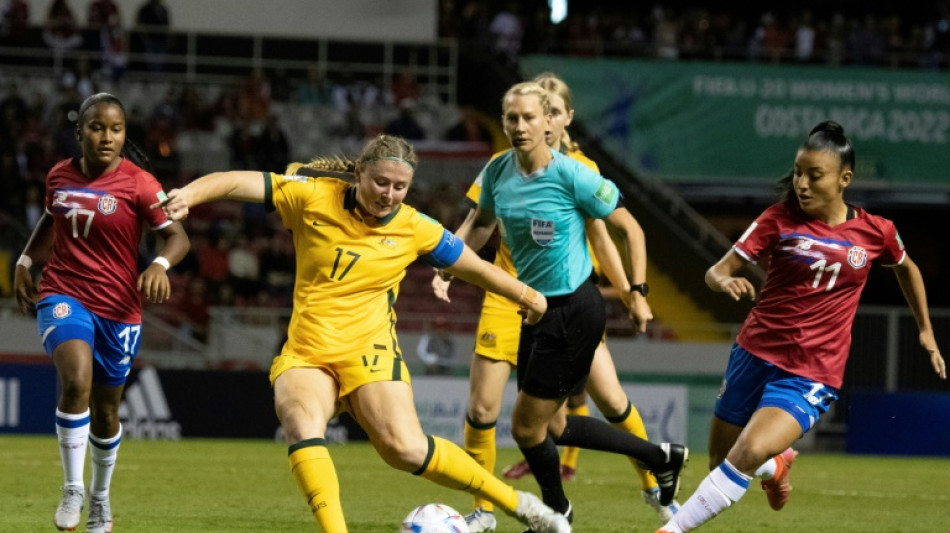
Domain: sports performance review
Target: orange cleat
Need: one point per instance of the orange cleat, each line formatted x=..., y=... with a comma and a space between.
x=777, y=488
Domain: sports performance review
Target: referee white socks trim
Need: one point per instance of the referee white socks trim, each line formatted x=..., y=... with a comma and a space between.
x=722, y=487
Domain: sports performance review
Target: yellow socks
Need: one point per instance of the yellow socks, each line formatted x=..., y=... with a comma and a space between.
x=313, y=470
x=449, y=466
x=631, y=422
x=480, y=445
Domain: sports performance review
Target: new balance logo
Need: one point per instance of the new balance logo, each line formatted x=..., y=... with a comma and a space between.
x=145, y=413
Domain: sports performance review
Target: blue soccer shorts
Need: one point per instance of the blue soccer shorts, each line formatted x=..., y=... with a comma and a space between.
x=752, y=383
x=114, y=344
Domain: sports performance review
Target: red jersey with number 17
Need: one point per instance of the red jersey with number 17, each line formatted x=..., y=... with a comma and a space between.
x=97, y=227
x=802, y=321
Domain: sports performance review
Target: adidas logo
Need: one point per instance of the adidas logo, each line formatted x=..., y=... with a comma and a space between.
x=144, y=412
x=9, y=402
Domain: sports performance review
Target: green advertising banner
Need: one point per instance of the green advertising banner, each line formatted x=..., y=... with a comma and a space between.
x=742, y=123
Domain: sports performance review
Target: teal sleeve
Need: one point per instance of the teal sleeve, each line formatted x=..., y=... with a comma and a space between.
x=595, y=195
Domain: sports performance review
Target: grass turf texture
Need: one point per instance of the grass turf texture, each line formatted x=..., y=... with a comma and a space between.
x=233, y=486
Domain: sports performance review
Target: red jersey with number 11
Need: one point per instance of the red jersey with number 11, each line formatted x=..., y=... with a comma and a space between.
x=97, y=227
x=802, y=321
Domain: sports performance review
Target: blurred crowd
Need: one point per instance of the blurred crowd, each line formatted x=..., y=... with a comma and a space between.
x=874, y=34
x=240, y=254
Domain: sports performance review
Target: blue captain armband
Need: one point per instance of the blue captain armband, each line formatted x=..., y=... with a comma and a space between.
x=447, y=252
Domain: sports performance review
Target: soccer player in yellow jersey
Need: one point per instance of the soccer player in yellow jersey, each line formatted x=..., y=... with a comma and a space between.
x=496, y=343
x=353, y=243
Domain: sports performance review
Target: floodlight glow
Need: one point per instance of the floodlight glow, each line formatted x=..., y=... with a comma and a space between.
x=558, y=10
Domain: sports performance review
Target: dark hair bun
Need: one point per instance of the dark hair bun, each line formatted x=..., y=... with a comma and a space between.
x=828, y=126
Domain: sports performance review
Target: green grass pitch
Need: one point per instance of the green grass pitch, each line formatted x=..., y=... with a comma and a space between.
x=232, y=486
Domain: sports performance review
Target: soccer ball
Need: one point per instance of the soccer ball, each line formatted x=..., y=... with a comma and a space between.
x=434, y=518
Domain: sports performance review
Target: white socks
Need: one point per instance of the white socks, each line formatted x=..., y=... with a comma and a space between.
x=72, y=431
x=722, y=487
x=104, y=452
x=767, y=470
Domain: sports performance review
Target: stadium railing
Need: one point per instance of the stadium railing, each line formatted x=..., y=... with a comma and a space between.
x=207, y=57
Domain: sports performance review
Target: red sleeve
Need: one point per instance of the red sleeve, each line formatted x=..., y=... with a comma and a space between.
x=759, y=237
x=148, y=192
x=893, y=252
x=48, y=204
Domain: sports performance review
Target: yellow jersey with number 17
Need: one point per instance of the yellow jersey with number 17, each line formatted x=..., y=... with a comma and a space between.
x=348, y=270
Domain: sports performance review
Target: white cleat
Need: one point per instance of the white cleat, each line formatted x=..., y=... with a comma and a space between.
x=100, y=516
x=480, y=521
x=67, y=514
x=532, y=512
x=664, y=513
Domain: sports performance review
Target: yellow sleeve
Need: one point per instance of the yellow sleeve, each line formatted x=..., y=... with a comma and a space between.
x=288, y=196
x=427, y=231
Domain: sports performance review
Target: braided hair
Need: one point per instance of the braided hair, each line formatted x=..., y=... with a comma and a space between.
x=527, y=88
x=556, y=85
x=129, y=149
x=383, y=147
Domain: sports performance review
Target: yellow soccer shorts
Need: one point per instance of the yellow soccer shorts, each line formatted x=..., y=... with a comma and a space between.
x=351, y=369
x=499, y=329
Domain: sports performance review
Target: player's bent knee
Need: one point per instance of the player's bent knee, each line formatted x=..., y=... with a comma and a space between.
x=748, y=455
x=482, y=414
x=403, y=454
x=528, y=436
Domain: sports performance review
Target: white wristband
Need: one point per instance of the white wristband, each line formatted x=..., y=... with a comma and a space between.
x=162, y=261
x=25, y=261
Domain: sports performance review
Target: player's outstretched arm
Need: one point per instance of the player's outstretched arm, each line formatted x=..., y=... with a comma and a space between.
x=241, y=185
x=441, y=279
x=477, y=271
x=912, y=285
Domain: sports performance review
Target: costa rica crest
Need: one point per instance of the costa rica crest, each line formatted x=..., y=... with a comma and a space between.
x=107, y=204
x=857, y=257
x=62, y=310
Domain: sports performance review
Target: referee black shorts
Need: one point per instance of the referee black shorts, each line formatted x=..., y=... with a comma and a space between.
x=554, y=355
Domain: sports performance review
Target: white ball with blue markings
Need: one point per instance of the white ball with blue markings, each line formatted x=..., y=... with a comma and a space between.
x=434, y=518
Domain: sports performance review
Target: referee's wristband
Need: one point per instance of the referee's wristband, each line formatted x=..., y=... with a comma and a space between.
x=25, y=261
x=162, y=261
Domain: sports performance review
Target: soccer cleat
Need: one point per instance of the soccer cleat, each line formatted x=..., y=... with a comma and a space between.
x=67, y=513
x=540, y=518
x=668, y=474
x=567, y=473
x=569, y=515
x=663, y=512
x=777, y=488
x=481, y=520
x=517, y=470
x=100, y=515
